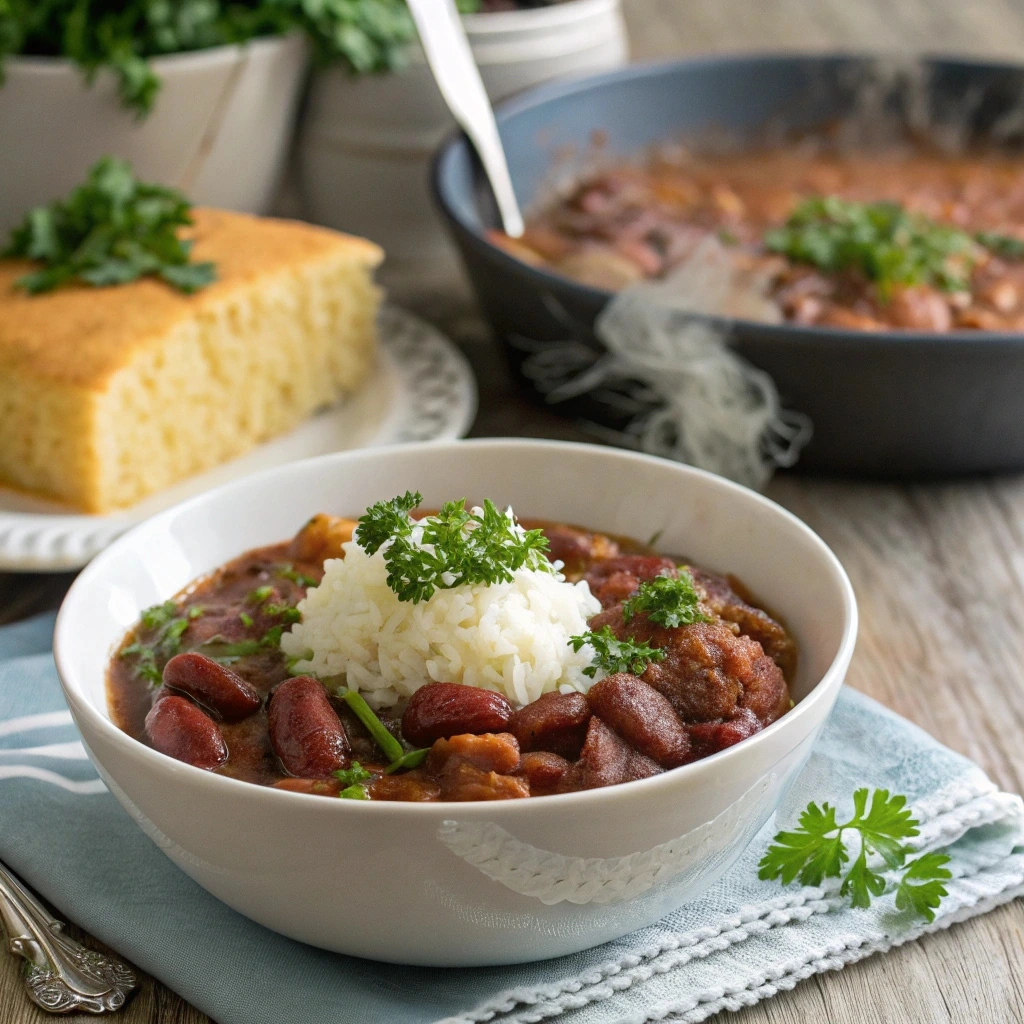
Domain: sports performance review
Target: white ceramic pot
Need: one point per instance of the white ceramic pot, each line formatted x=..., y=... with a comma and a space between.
x=473, y=883
x=365, y=142
x=220, y=127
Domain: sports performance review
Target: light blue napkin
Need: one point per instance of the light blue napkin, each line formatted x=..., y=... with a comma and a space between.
x=743, y=941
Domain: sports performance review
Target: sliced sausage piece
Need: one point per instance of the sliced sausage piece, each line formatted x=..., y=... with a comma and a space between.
x=213, y=685
x=321, y=538
x=177, y=728
x=643, y=717
x=305, y=731
x=556, y=722
x=606, y=760
x=440, y=710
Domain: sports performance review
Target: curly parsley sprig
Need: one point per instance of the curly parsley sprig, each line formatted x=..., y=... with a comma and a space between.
x=816, y=850
x=668, y=600
x=111, y=230
x=614, y=655
x=450, y=549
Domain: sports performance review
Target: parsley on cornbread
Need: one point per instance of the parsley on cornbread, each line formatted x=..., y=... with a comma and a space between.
x=108, y=394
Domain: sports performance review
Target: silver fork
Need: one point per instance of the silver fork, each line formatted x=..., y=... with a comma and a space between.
x=61, y=975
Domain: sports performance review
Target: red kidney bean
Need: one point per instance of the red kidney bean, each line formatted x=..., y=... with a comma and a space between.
x=606, y=760
x=710, y=737
x=177, y=728
x=556, y=722
x=213, y=685
x=612, y=580
x=439, y=710
x=305, y=731
x=643, y=717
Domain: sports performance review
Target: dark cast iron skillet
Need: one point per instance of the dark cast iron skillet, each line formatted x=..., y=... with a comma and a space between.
x=894, y=403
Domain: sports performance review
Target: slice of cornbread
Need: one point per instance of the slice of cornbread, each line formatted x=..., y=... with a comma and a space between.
x=107, y=395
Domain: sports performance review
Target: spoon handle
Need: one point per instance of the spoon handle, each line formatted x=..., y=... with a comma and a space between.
x=457, y=76
x=61, y=975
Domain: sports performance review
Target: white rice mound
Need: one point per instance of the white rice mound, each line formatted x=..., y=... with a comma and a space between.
x=510, y=637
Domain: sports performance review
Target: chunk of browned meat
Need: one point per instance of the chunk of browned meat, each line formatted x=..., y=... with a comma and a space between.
x=720, y=595
x=321, y=538
x=710, y=737
x=461, y=780
x=576, y=548
x=708, y=672
x=556, y=722
x=414, y=785
x=543, y=771
x=643, y=717
x=491, y=752
x=606, y=760
x=614, y=579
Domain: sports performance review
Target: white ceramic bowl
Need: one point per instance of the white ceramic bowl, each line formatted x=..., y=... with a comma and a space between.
x=478, y=883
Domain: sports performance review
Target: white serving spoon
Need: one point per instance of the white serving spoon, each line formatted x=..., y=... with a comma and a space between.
x=457, y=76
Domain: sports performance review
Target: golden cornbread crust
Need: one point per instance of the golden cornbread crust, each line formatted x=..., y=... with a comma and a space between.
x=109, y=394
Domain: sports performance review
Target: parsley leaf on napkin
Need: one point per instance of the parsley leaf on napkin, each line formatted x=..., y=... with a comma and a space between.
x=111, y=230
x=815, y=850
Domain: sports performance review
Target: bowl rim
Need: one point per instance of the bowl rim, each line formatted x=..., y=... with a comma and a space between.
x=69, y=673
x=566, y=88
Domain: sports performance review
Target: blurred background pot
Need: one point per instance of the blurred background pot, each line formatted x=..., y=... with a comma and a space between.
x=365, y=142
x=219, y=129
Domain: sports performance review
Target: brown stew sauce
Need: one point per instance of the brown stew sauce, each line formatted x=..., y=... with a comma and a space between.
x=203, y=679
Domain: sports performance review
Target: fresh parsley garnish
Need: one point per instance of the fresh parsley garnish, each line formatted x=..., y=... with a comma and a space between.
x=246, y=620
x=884, y=241
x=668, y=600
x=1006, y=246
x=111, y=230
x=816, y=850
x=454, y=547
x=413, y=759
x=352, y=779
x=259, y=595
x=284, y=611
x=615, y=655
x=393, y=750
x=170, y=626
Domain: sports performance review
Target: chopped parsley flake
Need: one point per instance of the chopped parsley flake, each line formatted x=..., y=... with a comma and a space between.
x=259, y=595
x=450, y=549
x=885, y=242
x=668, y=600
x=246, y=619
x=170, y=626
x=350, y=776
x=615, y=655
x=289, y=572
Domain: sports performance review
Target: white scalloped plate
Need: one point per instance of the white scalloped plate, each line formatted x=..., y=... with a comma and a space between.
x=421, y=389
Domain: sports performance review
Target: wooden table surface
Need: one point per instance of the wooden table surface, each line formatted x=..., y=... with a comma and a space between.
x=938, y=569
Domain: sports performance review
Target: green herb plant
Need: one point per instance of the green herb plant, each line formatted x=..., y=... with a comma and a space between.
x=452, y=548
x=816, y=850
x=886, y=243
x=667, y=600
x=614, y=655
x=111, y=230
x=123, y=35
